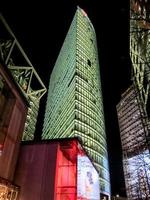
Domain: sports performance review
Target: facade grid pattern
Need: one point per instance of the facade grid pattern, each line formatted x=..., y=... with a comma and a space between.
x=74, y=104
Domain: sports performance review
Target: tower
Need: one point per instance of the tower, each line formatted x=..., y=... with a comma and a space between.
x=74, y=105
x=134, y=108
x=133, y=133
x=140, y=50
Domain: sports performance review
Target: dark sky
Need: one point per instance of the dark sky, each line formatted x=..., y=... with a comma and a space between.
x=41, y=28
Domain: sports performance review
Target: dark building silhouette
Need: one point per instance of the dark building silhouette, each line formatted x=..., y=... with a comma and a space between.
x=13, y=112
x=19, y=100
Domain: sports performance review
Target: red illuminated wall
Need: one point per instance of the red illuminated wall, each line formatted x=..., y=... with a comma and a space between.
x=12, y=129
x=66, y=177
x=48, y=170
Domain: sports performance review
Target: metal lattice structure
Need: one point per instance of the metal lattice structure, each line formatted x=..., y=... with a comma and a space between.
x=140, y=55
x=134, y=108
x=140, y=48
x=32, y=87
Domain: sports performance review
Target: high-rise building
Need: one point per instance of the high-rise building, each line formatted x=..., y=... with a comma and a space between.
x=24, y=74
x=134, y=108
x=74, y=105
x=133, y=133
x=140, y=49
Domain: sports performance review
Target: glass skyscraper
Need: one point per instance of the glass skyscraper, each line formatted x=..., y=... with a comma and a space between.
x=134, y=108
x=136, y=158
x=74, y=105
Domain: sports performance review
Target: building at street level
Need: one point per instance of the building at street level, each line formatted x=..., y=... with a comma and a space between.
x=74, y=105
x=23, y=73
x=60, y=170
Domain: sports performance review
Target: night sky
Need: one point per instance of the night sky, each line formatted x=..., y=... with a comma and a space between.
x=41, y=29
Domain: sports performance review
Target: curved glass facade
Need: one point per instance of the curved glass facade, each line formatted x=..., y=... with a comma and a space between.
x=74, y=104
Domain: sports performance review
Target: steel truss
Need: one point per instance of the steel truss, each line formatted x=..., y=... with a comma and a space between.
x=24, y=74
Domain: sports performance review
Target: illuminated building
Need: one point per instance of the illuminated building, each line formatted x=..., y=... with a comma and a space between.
x=133, y=133
x=24, y=74
x=56, y=169
x=74, y=105
x=134, y=108
x=140, y=49
x=13, y=112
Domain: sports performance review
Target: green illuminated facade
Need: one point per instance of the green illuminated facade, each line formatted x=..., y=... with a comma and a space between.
x=74, y=104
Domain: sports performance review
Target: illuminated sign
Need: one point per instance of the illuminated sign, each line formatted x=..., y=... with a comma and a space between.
x=87, y=180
